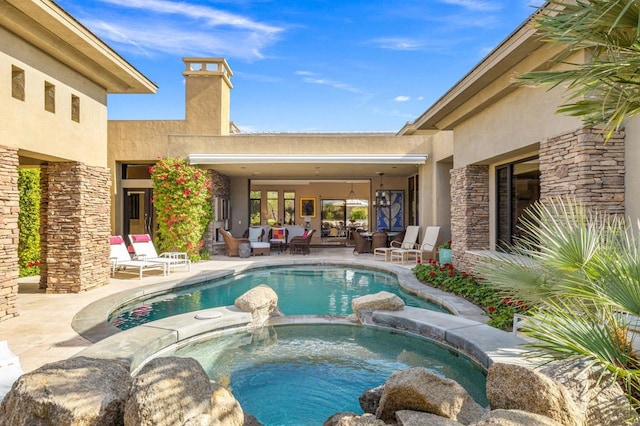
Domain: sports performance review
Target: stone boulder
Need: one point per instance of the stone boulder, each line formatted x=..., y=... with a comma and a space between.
x=413, y=418
x=352, y=419
x=370, y=399
x=176, y=391
x=249, y=420
x=76, y=391
x=514, y=418
x=515, y=387
x=599, y=398
x=382, y=301
x=260, y=301
x=418, y=389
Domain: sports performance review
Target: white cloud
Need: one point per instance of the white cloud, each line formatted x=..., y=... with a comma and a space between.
x=398, y=43
x=213, y=17
x=402, y=99
x=333, y=84
x=183, y=28
x=476, y=5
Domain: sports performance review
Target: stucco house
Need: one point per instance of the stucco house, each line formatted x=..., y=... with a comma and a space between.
x=53, y=114
x=470, y=163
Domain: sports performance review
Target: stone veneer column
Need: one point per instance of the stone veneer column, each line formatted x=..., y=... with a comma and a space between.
x=9, y=208
x=469, y=213
x=78, y=227
x=581, y=165
x=44, y=203
x=221, y=189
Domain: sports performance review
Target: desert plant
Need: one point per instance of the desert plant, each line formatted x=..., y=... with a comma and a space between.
x=581, y=269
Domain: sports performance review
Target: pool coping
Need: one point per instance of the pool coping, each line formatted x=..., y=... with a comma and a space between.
x=465, y=330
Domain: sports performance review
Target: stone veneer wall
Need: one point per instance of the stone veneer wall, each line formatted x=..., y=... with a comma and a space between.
x=9, y=208
x=44, y=205
x=581, y=165
x=469, y=212
x=77, y=227
x=221, y=189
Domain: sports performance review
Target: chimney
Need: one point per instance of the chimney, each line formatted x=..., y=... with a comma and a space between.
x=207, y=93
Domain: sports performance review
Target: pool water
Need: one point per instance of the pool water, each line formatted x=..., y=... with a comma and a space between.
x=301, y=290
x=302, y=374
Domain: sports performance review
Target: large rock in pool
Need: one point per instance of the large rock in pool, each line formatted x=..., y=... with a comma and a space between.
x=382, y=301
x=260, y=301
x=76, y=391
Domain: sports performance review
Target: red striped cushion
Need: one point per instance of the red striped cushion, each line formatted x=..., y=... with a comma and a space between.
x=116, y=240
x=141, y=238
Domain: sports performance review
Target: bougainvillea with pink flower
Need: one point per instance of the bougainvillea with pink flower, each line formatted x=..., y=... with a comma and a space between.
x=182, y=202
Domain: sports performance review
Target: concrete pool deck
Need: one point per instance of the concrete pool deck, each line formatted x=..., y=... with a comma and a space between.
x=43, y=332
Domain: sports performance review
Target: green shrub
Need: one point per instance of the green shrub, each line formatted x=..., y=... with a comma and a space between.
x=498, y=305
x=29, y=222
x=182, y=201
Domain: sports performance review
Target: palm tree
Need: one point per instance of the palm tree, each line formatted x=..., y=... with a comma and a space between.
x=605, y=89
x=581, y=270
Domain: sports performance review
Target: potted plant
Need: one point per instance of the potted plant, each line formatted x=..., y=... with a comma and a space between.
x=444, y=253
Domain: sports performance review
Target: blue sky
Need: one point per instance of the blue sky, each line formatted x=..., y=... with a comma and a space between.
x=303, y=66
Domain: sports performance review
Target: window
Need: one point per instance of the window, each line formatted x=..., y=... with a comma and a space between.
x=75, y=108
x=413, y=200
x=517, y=187
x=17, y=83
x=272, y=208
x=49, y=97
x=255, y=207
x=289, y=207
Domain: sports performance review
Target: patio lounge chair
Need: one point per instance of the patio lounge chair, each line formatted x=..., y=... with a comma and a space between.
x=255, y=234
x=232, y=243
x=145, y=250
x=121, y=259
x=409, y=242
x=301, y=244
x=427, y=248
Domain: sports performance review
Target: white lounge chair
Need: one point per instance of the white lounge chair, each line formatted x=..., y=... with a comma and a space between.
x=10, y=369
x=121, y=259
x=145, y=250
x=409, y=242
x=428, y=247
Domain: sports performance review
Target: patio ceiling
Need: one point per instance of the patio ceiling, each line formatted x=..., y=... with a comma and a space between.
x=305, y=166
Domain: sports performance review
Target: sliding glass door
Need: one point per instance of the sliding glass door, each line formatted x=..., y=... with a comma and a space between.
x=518, y=187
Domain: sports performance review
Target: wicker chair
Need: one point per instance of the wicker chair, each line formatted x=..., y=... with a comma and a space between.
x=231, y=243
x=301, y=244
x=378, y=239
x=362, y=245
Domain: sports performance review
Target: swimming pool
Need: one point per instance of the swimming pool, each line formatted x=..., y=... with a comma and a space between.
x=301, y=290
x=302, y=374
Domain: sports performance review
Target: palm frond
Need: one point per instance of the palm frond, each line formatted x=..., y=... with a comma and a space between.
x=605, y=90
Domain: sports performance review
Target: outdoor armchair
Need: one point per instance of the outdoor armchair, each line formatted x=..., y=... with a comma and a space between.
x=144, y=249
x=232, y=243
x=362, y=244
x=255, y=235
x=301, y=244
